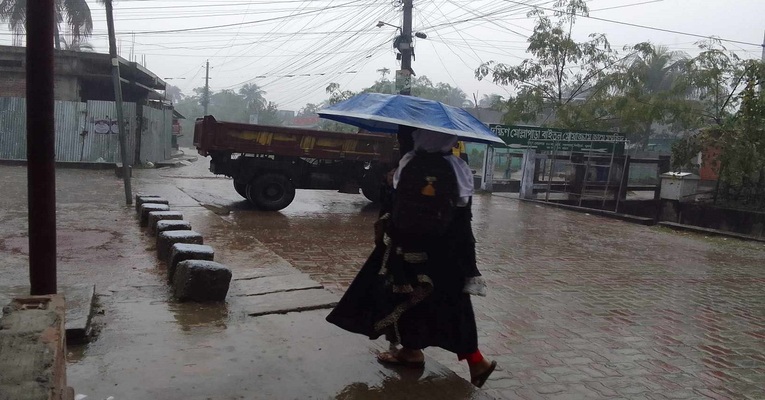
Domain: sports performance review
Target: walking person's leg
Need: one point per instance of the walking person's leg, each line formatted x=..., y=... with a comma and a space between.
x=480, y=367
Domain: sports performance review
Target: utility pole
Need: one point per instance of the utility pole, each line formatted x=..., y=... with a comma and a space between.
x=406, y=48
x=118, y=98
x=206, y=99
x=41, y=167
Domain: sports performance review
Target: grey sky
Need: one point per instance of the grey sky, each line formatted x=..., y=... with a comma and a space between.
x=300, y=46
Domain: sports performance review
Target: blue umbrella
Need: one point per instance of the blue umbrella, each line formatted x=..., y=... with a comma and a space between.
x=376, y=112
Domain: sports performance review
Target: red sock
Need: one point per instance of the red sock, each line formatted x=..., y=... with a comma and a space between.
x=472, y=358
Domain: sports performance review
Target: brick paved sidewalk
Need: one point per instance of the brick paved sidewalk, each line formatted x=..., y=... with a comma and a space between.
x=580, y=306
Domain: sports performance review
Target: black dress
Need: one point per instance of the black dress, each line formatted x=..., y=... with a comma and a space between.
x=417, y=303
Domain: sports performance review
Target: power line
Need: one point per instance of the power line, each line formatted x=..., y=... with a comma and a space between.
x=647, y=27
x=248, y=22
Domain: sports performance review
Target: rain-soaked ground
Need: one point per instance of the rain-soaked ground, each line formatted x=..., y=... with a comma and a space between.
x=579, y=306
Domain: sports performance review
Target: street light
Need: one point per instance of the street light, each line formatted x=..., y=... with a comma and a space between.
x=380, y=24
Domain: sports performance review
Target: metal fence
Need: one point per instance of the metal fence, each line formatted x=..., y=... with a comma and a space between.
x=88, y=132
x=748, y=196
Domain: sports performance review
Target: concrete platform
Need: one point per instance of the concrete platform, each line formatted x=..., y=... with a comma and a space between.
x=274, y=284
x=287, y=302
x=33, y=350
x=79, y=307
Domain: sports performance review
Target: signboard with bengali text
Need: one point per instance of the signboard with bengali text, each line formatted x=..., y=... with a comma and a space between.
x=551, y=139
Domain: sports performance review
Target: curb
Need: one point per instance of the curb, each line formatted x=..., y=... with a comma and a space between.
x=710, y=231
x=595, y=211
x=67, y=164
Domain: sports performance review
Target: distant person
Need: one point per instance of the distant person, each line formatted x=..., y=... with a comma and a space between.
x=415, y=286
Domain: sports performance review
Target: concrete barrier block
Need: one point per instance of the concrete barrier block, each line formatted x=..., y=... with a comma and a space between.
x=146, y=208
x=167, y=239
x=33, y=349
x=142, y=198
x=201, y=281
x=156, y=216
x=172, y=225
x=183, y=251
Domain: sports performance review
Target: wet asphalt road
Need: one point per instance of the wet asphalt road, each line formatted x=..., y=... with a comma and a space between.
x=579, y=306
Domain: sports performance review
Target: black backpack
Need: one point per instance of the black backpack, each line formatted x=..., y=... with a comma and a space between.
x=425, y=198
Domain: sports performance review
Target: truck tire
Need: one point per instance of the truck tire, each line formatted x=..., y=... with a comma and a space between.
x=241, y=188
x=370, y=187
x=271, y=192
x=371, y=190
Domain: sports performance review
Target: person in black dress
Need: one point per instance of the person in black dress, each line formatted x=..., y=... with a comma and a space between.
x=417, y=292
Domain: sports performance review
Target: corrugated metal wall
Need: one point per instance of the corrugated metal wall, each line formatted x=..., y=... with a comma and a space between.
x=156, y=135
x=76, y=133
x=70, y=123
x=105, y=147
x=13, y=123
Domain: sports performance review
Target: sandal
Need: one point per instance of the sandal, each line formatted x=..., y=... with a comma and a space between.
x=391, y=358
x=479, y=380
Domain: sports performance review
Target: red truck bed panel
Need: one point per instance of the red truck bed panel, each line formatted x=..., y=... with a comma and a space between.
x=211, y=136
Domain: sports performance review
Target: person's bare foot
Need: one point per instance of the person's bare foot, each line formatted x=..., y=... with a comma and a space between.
x=404, y=356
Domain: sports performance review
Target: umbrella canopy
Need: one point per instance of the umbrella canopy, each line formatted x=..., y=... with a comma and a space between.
x=384, y=113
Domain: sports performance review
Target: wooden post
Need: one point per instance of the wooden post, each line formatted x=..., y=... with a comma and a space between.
x=118, y=98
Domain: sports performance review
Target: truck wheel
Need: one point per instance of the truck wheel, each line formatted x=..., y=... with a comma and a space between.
x=271, y=192
x=371, y=187
x=241, y=188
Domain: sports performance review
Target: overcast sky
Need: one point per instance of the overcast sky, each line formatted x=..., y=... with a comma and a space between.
x=294, y=48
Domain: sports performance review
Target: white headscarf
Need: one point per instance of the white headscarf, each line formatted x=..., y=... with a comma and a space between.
x=436, y=142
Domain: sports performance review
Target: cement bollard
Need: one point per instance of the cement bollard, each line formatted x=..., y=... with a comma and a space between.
x=183, y=251
x=171, y=225
x=201, y=281
x=156, y=216
x=167, y=239
x=146, y=208
x=140, y=199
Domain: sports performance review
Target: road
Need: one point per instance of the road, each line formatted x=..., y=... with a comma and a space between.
x=579, y=306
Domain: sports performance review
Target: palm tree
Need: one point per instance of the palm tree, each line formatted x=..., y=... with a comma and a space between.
x=649, y=87
x=76, y=12
x=253, y=95
x=77, y=45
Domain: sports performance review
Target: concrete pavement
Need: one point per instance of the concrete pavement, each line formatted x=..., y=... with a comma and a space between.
x=579, y=306
x=150, y=347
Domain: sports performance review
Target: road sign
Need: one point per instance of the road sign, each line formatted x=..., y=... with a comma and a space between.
x=550, y=139
x=403, y=80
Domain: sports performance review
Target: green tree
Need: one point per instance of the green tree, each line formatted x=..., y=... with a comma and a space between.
x=715, y=77
x=742, y=142
x=563, y=79
x=443, y=92
x=270, y=115
x=740, y=136
x=337, y=95
x=75, y=12
x=649, y=89
x=310, y=109
x=493, y=101
x=173, y=93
